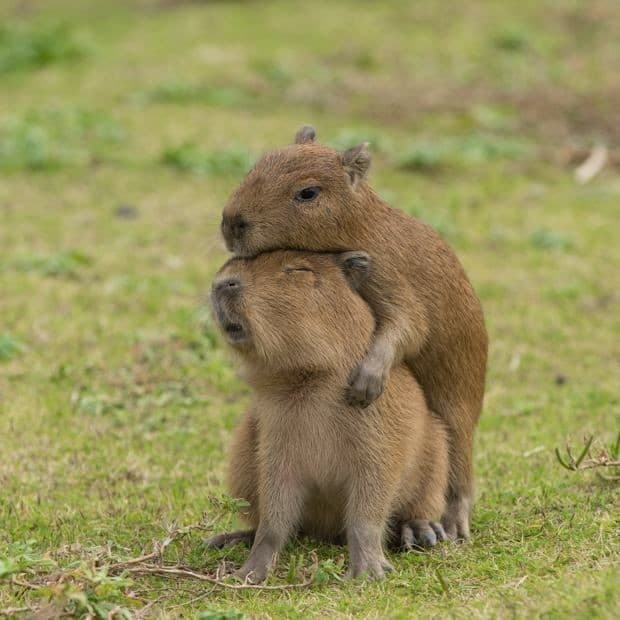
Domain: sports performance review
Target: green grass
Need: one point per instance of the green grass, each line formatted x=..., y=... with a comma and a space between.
x=122, y=132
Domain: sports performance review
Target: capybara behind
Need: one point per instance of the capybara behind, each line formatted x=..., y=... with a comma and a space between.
x=311, y=197
x=305, y=459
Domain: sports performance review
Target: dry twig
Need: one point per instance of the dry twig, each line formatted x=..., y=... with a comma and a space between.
x=153, y=564
x=12, y=611
x=179, y=571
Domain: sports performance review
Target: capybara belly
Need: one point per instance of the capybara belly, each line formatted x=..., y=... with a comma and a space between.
x=323, y=515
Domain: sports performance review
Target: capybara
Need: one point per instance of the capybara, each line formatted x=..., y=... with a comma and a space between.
x=305, y=459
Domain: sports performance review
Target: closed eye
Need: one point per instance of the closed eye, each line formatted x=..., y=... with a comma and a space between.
x=293, y=269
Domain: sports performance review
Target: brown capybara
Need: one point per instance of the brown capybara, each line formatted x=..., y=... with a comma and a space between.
x=311, y=197
x=305, y=459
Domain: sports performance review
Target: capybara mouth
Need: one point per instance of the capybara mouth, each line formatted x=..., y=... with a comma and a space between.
x=228, y=319
x=235, y=332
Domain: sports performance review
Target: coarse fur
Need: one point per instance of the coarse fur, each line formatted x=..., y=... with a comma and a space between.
x=303, y=457
x=425, y=308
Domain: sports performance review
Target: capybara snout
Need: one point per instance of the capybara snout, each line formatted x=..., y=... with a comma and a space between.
x=234, y=229
x=226, y=299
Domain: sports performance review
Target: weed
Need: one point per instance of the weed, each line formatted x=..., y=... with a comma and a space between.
x=23, y=46
x=511, y=39
x=56, y=137
x=228, y=614
x=547, y=239
x=10, y=347
x=469, y=150
x=189, y=157
x=183, y=92
x=68, y=264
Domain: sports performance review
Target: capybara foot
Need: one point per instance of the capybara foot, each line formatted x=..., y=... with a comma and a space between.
x=455, y=519
x=258, y=565
x=228, y=539
x=369, y=567
x=421, y=534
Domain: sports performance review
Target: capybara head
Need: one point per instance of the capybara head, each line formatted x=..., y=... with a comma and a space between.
x=301, y=197
x=287, y=310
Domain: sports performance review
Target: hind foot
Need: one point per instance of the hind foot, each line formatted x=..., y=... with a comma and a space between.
x=228, y=539
x=420, y=533
x=455, y=519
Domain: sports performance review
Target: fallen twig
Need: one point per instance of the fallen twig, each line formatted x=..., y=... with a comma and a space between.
x=152, y=564
x=149, y=569
x=11, y=611
x=24, y=584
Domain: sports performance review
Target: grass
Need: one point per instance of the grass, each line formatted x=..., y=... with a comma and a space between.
x=118, y=148
x=56, y=137
x=23, y=47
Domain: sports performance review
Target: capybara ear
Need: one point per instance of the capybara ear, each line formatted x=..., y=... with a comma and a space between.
x=356, y=162
x=305, y=135
x=356, y=266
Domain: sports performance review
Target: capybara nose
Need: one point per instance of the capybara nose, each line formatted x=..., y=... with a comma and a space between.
x=228, y=286
x=234, y=228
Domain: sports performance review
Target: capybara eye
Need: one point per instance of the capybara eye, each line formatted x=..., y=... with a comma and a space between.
x=299, y=268
x=307, y=194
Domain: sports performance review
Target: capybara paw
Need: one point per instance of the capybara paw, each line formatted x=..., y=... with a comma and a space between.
x=365, y=386
x=439, y=531
x=455, y=519
x=420, y=534
x=252, y=573
x=371, y=568
x=228, y=539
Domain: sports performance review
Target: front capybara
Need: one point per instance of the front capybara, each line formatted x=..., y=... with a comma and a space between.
x=311, y=197
x=305, y=459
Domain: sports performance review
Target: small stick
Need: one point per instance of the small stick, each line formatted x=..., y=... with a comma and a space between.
x=182, y=572
x=11, y=611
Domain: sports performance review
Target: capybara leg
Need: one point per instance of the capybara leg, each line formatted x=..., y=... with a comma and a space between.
x=455, y=519
x=280, y=507
x=366, y=556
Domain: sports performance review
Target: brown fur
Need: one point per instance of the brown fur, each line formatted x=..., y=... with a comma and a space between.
x=303, y=457
x=426, y=310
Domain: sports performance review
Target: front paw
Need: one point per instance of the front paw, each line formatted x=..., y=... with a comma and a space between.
x=372, y=568
x=257, y=566
x=365, y=385
x=252, y=572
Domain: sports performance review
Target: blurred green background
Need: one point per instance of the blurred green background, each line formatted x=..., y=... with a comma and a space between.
x=124, y=126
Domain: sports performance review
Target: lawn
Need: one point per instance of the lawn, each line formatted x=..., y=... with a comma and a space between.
x=124, y=126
